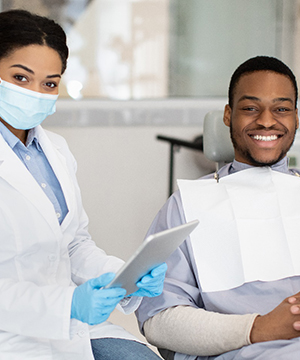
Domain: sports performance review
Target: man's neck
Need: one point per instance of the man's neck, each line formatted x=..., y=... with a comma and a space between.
x=281, y=166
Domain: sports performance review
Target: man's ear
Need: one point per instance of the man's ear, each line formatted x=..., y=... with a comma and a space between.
x=227, y=115
x=297, y=119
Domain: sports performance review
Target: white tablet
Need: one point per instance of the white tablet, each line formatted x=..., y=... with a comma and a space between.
x=152, y=252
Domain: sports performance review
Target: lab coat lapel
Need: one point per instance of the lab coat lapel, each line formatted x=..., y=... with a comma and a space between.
x=15, y=173
x=59, y=165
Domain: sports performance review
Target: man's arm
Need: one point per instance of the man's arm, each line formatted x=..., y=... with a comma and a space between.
x=176, y=320
x=192, y=331
x=156, y=316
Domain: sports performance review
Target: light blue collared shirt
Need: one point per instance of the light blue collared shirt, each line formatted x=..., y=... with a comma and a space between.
x=235, y=166
x=33, y=157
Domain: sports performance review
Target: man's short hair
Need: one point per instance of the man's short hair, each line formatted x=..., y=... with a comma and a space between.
x=260, y=63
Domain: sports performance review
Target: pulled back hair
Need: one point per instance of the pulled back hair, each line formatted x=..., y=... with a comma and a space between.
x=19, y=28
x=261, y=63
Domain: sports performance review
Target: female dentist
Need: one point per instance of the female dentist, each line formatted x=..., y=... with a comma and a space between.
x=52, y=305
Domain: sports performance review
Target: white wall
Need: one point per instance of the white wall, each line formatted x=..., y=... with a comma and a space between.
x=123, y=170
x=123, y=174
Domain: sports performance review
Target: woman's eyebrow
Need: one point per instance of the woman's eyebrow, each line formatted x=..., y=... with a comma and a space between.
x=32, y=72
x=23, y=67
x=53, y=76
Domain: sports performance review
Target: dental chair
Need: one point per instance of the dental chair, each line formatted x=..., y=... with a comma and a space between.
x=216, y=146
x=215, y=143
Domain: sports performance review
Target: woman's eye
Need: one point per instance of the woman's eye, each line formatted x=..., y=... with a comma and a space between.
x=51, y=85
x=20, y=78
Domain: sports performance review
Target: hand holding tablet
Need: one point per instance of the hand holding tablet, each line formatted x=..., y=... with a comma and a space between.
x=152, y=284
x=152, y=252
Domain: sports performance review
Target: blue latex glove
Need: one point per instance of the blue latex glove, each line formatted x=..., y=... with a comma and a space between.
x=93, y=305
x=152, y=284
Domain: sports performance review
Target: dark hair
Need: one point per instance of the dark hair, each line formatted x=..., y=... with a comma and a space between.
x=261, y=63
x=19, y=28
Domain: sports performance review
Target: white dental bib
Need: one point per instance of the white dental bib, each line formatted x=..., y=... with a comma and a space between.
x=249, y=227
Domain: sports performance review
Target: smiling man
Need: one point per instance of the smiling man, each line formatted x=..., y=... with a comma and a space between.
x=262, y=115
x=232, y=288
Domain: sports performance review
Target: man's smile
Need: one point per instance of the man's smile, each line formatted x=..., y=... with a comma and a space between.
x=265, y=138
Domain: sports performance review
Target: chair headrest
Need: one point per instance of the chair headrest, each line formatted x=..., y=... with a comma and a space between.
x=217, y=145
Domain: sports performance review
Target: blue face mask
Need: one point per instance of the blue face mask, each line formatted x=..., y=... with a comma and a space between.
x=22, y=108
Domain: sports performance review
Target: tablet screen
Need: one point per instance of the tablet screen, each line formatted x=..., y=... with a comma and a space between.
x=152, y=252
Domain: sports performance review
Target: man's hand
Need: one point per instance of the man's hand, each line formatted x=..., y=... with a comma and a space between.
x=283, y=322
x=295, y=309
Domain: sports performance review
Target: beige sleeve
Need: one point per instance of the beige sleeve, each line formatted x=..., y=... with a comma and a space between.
x=193, y=331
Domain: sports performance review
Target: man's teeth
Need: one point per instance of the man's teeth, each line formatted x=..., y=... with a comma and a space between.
x=265, y=138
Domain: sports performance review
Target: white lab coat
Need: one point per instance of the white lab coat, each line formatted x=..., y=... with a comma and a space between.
x=38, y=259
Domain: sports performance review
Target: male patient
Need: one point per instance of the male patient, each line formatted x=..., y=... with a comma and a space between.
x=231, y=290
